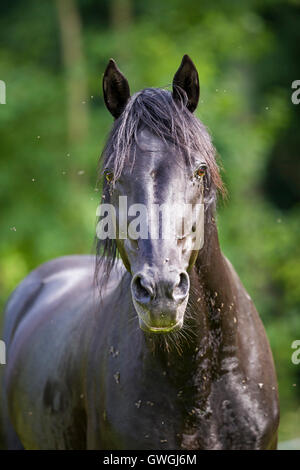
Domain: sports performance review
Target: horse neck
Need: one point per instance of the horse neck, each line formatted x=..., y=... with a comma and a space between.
x=214, y=285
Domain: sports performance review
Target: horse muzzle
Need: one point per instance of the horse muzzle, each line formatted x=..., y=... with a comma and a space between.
x=160, y=299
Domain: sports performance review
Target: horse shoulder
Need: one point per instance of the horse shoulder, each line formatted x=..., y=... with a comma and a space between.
x=256, y=378
x=45, y=318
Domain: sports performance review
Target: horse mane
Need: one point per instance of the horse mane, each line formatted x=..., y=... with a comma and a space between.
x=171, y=121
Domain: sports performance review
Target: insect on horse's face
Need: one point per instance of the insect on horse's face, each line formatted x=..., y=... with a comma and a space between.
x=161, y=190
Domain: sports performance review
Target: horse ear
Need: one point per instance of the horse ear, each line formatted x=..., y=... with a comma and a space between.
x=115, y=89
x=187, y=79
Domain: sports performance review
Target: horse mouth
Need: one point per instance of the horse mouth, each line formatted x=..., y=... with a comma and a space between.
x=161, y=329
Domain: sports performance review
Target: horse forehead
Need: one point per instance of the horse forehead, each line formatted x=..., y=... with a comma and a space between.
x=154, y=155
x=149, y=141
x=153, y=149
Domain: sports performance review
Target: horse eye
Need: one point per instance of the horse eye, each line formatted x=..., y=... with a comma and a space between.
x=108, y=175
x=200, y=172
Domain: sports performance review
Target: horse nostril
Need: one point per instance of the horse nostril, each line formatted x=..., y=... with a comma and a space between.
x=181, y=289
x=142, y=289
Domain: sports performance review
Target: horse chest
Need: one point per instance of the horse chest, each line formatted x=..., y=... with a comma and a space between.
x=154, y=414
x=145, y=410
x=139, y=416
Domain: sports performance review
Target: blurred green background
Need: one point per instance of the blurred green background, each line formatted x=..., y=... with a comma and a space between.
x=54, y=124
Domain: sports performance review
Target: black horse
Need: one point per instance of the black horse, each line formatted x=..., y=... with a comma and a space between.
x=172, y=353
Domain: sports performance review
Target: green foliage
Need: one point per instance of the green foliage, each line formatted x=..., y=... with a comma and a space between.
x=47, y=182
